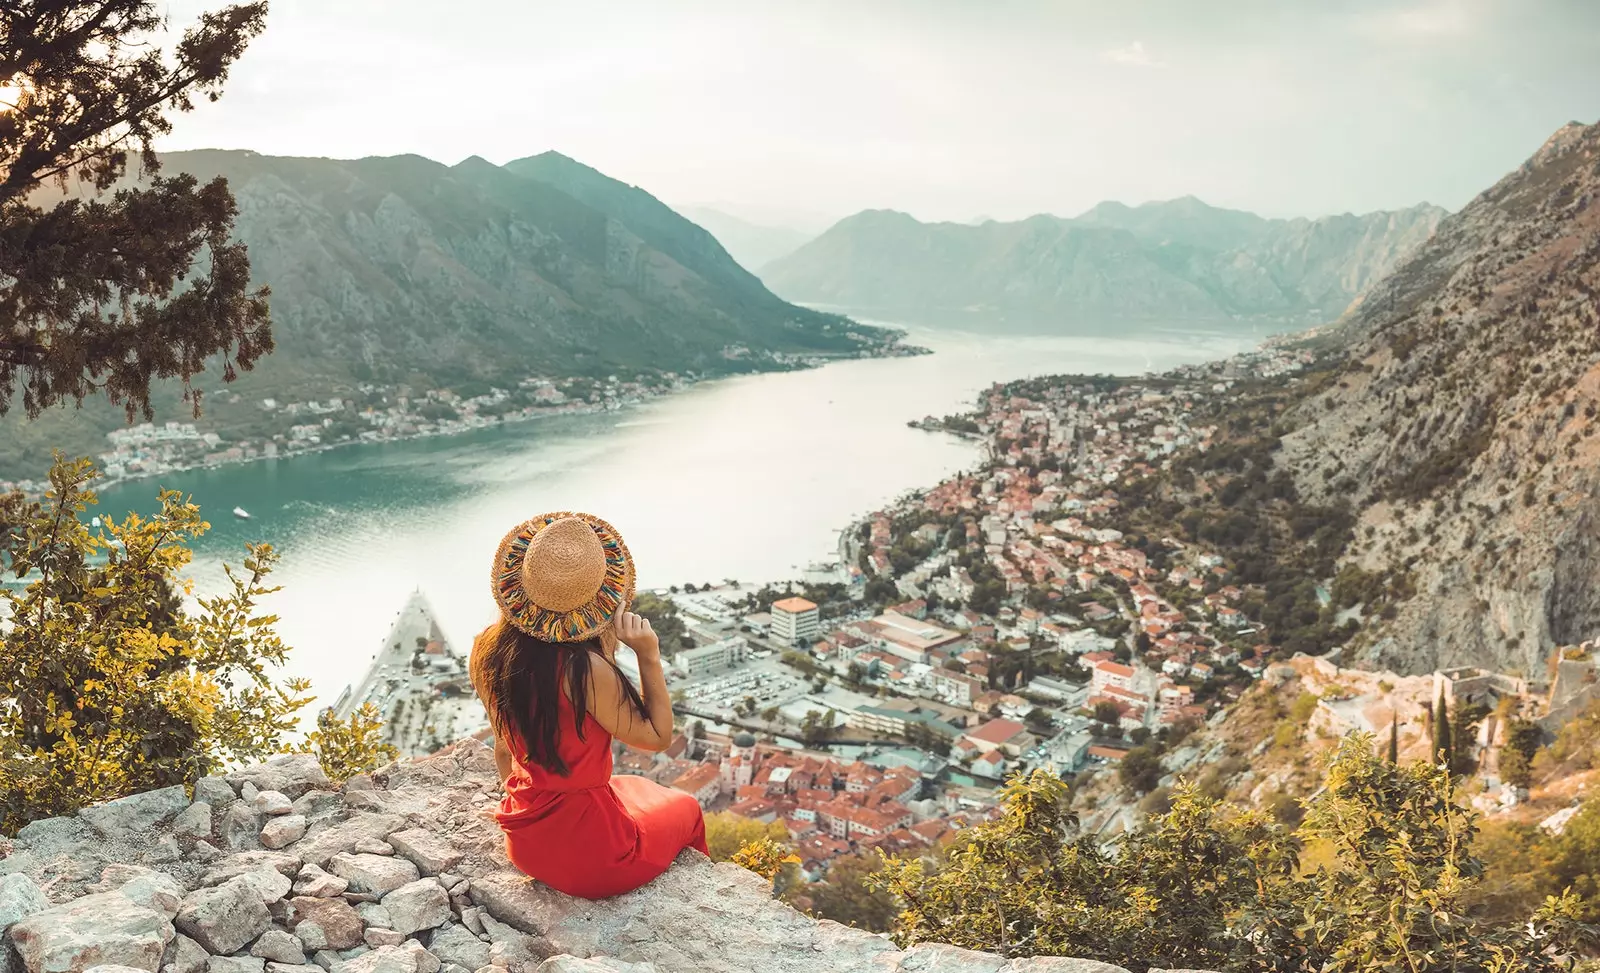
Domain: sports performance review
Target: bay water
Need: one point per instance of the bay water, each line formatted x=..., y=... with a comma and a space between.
x=748, y=478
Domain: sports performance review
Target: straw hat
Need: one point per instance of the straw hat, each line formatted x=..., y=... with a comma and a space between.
x=561, y=576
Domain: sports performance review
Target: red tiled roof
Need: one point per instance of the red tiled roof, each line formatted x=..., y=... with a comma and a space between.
x=997, y=731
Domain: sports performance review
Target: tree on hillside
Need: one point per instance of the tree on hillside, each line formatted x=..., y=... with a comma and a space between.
x=1209, y=886
x=843, y=896
x=87, y=301
x=726, y=833
x=1442, y=750
x=109, y=686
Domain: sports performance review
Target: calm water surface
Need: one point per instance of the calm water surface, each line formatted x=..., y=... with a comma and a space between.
x=749, y=478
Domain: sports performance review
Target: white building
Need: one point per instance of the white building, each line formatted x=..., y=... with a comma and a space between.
x=712, y=658
x=795, y=620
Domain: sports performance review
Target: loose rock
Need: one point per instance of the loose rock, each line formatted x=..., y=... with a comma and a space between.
x=225, y=918
x=322, y=924
x=136, y=812
x=285, y=830
x=425, y=849
x=459, y=945
x=417, y=906
x=315, y=882
x=280, y=947
x=235, y=964
x=384, y=937
x=239, y=827
x=193, y=821
x=214, y=791
x=372, y=846
x=272, y=803
x=105, y=928
x=185, y=956
x=373, y=873
x=20, y=897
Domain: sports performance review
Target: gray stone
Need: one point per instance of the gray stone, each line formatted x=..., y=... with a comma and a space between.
x=215, y=791
x=225, y=918
x=244, y=863
x=272, y=803
x=248, y=792
x=136, y=812
x=318, y=804
x=113, y=968
x=418, y=905
x=316, y=882
x=290, y=968
x=269, y=883
x=373, y=873
x=236, y=964
x=292, y=775
x=459, y=945
x=425, y=849
x=320, y=846
x=324, y=923
x=193, y=821
x=53, y=831
x=384, y=937
x=1058, y=964
x=406, y=958
x=20, y=897
x=239, y=827
x=105, y=928
x=372, y=846
x=204, y=851
x=285, y=830
x=280, y=947
x=326, y=958
x=599, y=964
x=184, y=955
x=153, y=890
x=374, y=914
x=472, y=918
x=165, y=851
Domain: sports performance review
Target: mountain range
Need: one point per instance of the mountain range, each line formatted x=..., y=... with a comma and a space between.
x=1460, y=422
x=1170, y=262
x=402, y=269
x=754, y=245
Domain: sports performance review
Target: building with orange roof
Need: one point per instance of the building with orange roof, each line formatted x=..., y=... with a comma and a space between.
x=704, y=782
x=795, y=620
x=1007, y=735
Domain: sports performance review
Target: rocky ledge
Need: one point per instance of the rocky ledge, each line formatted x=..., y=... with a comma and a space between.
x=274, y=870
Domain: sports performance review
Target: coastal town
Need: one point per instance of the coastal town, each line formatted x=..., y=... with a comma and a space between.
x=994, y=623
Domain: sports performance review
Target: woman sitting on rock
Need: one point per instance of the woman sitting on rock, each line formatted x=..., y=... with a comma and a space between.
x=547, y=674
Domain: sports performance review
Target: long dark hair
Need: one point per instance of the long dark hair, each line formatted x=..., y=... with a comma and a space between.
x=520, y=677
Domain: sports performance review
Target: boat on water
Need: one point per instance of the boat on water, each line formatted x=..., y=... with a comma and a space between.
x=241, y=513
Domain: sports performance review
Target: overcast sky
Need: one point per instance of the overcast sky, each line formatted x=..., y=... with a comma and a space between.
x=805, y=111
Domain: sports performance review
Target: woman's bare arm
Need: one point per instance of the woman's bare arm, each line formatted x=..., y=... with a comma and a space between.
x=652, y=730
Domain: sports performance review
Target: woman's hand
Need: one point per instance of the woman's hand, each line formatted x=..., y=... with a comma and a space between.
x=635, y=632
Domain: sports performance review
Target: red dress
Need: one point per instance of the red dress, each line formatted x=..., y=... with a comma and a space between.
x=590, y=834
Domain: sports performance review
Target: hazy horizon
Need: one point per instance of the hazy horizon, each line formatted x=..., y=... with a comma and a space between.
x=947, y=111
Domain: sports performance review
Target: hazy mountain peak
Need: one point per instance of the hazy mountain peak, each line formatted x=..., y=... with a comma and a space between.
x=1172, y=260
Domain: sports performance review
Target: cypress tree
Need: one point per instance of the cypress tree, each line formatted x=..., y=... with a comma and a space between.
x=1441, y=733
x=1394, y=739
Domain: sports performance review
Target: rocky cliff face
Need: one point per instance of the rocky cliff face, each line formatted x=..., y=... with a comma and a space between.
x=1173, y=262
x=1462, y=421
x=273, y=870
